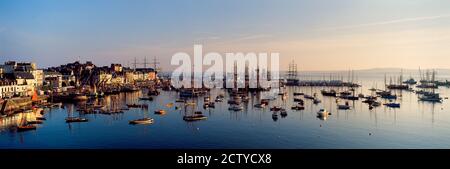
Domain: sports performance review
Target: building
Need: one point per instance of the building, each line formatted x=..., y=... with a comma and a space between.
x=144, y=74
x=9, y=89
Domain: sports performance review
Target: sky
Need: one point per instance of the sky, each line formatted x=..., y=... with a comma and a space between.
x=317, y=34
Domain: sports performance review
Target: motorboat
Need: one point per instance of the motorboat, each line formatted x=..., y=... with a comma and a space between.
x=160, y=112
x=146, y=120
x=75, y=119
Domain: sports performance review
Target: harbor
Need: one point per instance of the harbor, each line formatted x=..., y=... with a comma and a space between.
x=154, y=115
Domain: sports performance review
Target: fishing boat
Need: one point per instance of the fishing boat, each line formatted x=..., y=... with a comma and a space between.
x=160, y=112
x=75, y=119
x=26, y=127
x=146, y=120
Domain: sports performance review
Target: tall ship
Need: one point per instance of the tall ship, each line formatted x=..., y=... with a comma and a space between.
x=292, y=79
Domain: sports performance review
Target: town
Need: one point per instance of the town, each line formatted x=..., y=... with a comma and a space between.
x=22, y=83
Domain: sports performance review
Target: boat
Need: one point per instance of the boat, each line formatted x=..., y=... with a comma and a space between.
x=283, y=113
x=410, y=81
x=146, y=120
x=207, y=99
x=298, y=108
x=146, y=98
x=317, y=101
x=346, y=106
x=75, y=119
x=79, y=97
x=190, y=104
x=275, y=108
x=236, y=108
x=376, y=104
x=298, y=100
x=26, y=127
x=137, y=105
x=41, y=118
x=160, y=112
x=265, y=101
x=218, y=99
x=298, y=94
x=275, y=116
x=323, y=114
x=260, y=105
x=35, y=122
x=392, y=105
x=195, y=117
x=308, y=97
x=433, y=97
x=331, y=93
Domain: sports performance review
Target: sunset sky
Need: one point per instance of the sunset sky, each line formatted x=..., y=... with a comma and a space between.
x=318, y=34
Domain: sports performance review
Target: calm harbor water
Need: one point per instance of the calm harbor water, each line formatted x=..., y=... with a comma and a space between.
x=414, y=125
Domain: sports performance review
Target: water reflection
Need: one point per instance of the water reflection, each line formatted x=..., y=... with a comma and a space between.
x=250, y=128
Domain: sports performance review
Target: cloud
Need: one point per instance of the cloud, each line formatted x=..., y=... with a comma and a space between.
x=403, y=20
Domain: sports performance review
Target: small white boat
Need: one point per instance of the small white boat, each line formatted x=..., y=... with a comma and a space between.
x=323, y=114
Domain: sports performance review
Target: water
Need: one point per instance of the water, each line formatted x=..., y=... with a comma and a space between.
x=414, y=125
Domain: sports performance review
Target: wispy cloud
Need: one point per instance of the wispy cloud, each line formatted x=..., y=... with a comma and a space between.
x=251, y=37
x=403, y=20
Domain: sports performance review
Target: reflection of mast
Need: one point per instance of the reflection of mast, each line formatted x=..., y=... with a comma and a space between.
x=235, y=76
